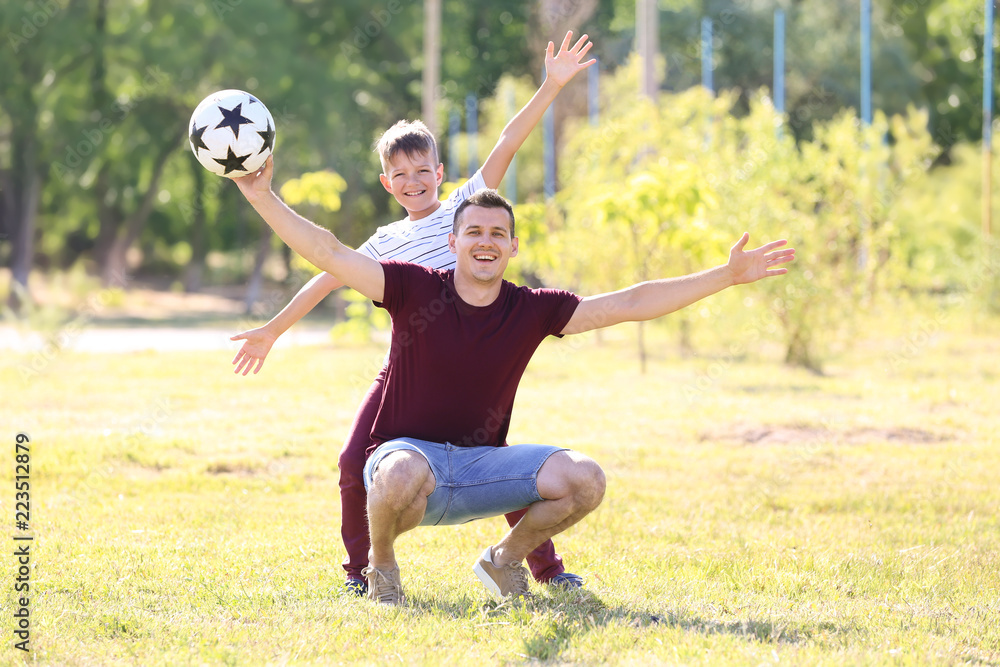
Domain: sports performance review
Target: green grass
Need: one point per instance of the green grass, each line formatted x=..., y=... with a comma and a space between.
x=755, y=514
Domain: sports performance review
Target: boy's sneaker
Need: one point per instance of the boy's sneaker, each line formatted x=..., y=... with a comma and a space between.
x=509, y=581
x=566, y=580
x=356, y=587
x=384, y=585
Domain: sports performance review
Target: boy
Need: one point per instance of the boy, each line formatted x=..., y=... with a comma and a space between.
x=412, y=173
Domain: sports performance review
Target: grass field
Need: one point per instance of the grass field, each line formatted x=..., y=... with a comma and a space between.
x=755, y=514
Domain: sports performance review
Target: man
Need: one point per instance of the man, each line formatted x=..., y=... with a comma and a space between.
x=461, y=340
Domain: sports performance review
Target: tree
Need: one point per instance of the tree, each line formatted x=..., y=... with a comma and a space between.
x=664, y=189
x=634, y=207
x=45, y=40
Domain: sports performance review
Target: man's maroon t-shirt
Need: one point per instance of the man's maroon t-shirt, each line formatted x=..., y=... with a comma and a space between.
x=454, y=368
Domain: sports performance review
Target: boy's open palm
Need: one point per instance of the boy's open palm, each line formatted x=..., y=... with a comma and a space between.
x=752, y=265
x=563, y=66
x=254, y=351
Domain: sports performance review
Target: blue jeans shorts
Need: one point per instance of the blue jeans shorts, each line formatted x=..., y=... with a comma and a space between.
x=472, y=482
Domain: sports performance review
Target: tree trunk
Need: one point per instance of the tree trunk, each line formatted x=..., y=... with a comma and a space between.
x=199, y=248
x=799, y=351
x=642, y=347
x=257, y=278
x=286, y=257
x=6, y=206
x=108, y=217
x=21, y=204
x=687, y=348
x=552, y=18
x=115, y=269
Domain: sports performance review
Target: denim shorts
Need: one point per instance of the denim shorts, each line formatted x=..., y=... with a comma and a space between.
x=472, y=482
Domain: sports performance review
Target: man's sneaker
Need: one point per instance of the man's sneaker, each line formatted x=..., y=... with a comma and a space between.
x=356, y=587
x=384, y=586
x=508, y=581
x=566, y=580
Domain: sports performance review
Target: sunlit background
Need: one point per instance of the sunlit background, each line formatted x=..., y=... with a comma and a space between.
x=855, y=130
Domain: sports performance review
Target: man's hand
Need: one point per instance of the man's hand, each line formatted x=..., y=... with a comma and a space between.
x=258, y=344
x=256, y=185
x=563, y=66
x=747, y=267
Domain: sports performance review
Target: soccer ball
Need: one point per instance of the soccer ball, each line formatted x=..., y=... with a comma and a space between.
x=232, y=133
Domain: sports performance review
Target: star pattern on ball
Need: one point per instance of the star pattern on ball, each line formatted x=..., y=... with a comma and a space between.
x=232, y=162
x=268, y=137
x=196, y=139
x=233, y=119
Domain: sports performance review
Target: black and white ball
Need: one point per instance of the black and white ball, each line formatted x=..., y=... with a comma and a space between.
x=232, y=133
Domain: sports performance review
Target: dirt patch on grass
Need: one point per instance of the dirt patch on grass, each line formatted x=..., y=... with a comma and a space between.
x=139, y=472
x=917, y=436
x=262, y=467
x=796, y=434
x=241, y=468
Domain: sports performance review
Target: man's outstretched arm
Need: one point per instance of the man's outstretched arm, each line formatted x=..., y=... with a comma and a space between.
x=559, y=69
x=656, y=298
x=318, y=246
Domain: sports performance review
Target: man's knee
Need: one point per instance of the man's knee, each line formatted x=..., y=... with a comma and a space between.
x=571, y=474
x=590, y=482
x=400, y=478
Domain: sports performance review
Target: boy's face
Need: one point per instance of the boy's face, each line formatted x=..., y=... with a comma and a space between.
x=413, y=180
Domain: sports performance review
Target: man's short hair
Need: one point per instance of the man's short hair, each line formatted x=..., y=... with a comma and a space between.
x=484, y=198
x=409, y=136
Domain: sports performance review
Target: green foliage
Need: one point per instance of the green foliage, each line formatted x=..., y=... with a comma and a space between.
x=926, y=53
x=97, y=97
x=317, y=193
x=660, y=190
x=364, y=320
x=319, y=189
x=941, y=240
x=98, y=94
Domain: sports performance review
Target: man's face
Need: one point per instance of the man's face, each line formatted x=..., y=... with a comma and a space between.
x=483, y=245
x=413, y=180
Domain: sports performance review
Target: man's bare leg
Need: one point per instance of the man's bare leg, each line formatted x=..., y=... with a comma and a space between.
x=397, y=501
x=572, y=486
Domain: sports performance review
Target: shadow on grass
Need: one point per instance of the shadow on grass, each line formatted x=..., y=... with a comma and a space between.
x=750, y=628
x=554, y=621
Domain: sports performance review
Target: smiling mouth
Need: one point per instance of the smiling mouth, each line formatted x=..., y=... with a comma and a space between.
x=414, y=194
x=484, y=258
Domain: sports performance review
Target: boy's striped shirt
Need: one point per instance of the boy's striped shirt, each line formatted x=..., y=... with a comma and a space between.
x=423, y=241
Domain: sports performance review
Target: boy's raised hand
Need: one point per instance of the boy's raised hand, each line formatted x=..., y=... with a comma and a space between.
x=559, y=69
x=563, y=66
x=752, y=265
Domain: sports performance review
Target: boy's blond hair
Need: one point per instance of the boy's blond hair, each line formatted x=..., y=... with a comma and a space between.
x=408, y=136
